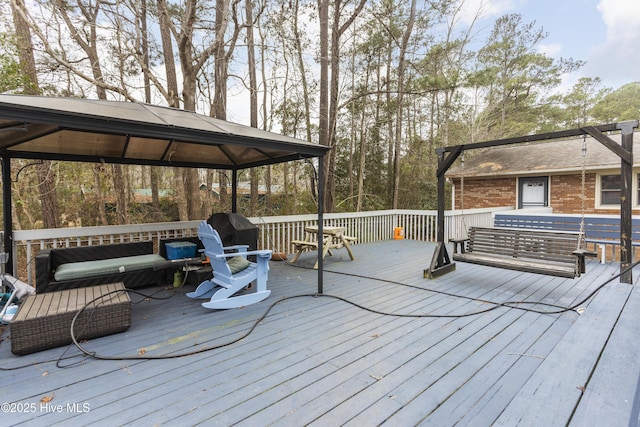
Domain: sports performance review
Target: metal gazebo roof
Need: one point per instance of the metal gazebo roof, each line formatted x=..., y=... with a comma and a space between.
x=134, y=133
x=71, y=129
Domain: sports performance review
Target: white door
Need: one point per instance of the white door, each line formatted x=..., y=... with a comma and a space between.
x=533, y=192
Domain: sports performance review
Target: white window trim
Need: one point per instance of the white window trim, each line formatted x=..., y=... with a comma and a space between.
x=634, y=190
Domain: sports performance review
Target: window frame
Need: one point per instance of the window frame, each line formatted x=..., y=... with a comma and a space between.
x=635, y=190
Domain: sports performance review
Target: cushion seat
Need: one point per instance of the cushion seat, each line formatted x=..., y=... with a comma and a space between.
x=79, y=270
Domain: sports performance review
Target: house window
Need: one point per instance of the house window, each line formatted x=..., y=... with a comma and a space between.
x=610, y=189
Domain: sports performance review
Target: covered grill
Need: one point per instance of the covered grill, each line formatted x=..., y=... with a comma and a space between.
x=234, y=229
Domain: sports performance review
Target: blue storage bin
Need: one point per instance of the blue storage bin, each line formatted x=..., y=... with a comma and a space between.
x=179, y=250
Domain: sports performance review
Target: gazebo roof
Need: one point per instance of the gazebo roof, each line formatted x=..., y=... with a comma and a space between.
x=73, y=129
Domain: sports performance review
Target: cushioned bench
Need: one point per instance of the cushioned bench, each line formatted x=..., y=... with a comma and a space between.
x=68, y=268
x=80, y=270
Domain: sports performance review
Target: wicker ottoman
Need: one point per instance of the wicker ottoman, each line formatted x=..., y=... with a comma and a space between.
x=44, y=320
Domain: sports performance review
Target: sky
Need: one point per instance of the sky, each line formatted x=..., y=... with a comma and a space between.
x=604, y=33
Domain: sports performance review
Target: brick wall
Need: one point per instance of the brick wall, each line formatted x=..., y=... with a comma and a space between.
x=565, y=195
x=486, y=193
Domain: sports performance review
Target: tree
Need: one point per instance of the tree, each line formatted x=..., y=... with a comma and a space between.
x=517, y=75
x=401, y=76
x=619, y=105
x=45, y=170
x=329, y=87
x=578, y=103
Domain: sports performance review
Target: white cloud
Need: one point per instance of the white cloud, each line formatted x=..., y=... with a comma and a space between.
x=551, y=49
x=617, y=60
x=484, y=8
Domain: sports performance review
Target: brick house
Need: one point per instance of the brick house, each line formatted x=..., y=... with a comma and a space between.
x=544, y=175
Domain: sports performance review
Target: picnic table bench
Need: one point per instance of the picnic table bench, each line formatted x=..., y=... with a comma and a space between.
x=543, y=252
x=333, y=238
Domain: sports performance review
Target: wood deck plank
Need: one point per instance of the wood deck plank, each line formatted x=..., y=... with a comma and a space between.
x=319, y=360
x=550, y=395
x=617, y=373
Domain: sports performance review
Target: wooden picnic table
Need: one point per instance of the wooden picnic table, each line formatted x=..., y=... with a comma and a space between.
x=333, y=238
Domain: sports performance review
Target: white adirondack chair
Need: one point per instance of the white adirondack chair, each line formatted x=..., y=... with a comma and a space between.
x=232, y=272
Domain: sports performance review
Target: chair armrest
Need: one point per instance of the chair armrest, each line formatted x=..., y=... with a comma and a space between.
x=239, y=248
x=263, y=252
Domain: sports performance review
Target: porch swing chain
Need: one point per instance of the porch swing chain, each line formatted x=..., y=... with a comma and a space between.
x=464, y=221
x=582, y=240
x=462, y=185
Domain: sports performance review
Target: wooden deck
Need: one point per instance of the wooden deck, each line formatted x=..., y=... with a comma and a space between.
x=325, y=361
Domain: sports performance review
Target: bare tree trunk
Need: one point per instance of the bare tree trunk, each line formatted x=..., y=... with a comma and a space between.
x=253, y=99
x=45, y=170
x=153, y=171
x=337, y=30
x=186, y=180
x=265, y=122
x=401, y=75
x=389, y=120
x=167, y=52
x=323, y=124
x=120, y=190
x=100, y=196
x=221, y=74
x=362, y=146
x=89, y=45
x=303, y=74
x=219, y=106
x=155, y=192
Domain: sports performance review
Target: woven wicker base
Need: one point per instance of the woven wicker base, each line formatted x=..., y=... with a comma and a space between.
x=44, y=320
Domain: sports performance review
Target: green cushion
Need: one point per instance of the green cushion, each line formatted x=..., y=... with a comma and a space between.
x=80, y=270
x=237, y=264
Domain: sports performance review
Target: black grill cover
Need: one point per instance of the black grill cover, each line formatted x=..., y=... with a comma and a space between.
x=234, y=229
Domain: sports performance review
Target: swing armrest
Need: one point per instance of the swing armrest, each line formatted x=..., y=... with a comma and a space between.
x=460, y=242
x=585, y=252
x=581, y=253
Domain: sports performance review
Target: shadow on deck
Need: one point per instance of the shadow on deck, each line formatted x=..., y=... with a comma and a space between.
x=448, y=355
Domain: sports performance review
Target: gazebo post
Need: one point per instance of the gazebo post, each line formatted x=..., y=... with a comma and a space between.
x=320, y=221
x=6, y=212
x=234, y=191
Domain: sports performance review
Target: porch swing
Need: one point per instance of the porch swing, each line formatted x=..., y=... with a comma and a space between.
x=549, y=252
x=555, y=253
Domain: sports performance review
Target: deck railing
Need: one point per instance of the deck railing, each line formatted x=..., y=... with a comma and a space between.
x=275, y=232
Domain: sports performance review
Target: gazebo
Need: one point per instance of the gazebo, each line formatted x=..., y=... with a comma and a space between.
x=84, y=130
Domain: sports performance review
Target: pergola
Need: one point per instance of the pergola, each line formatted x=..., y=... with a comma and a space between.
x=83, y=130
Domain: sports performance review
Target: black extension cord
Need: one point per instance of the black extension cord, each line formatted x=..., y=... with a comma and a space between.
x=495, y=305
